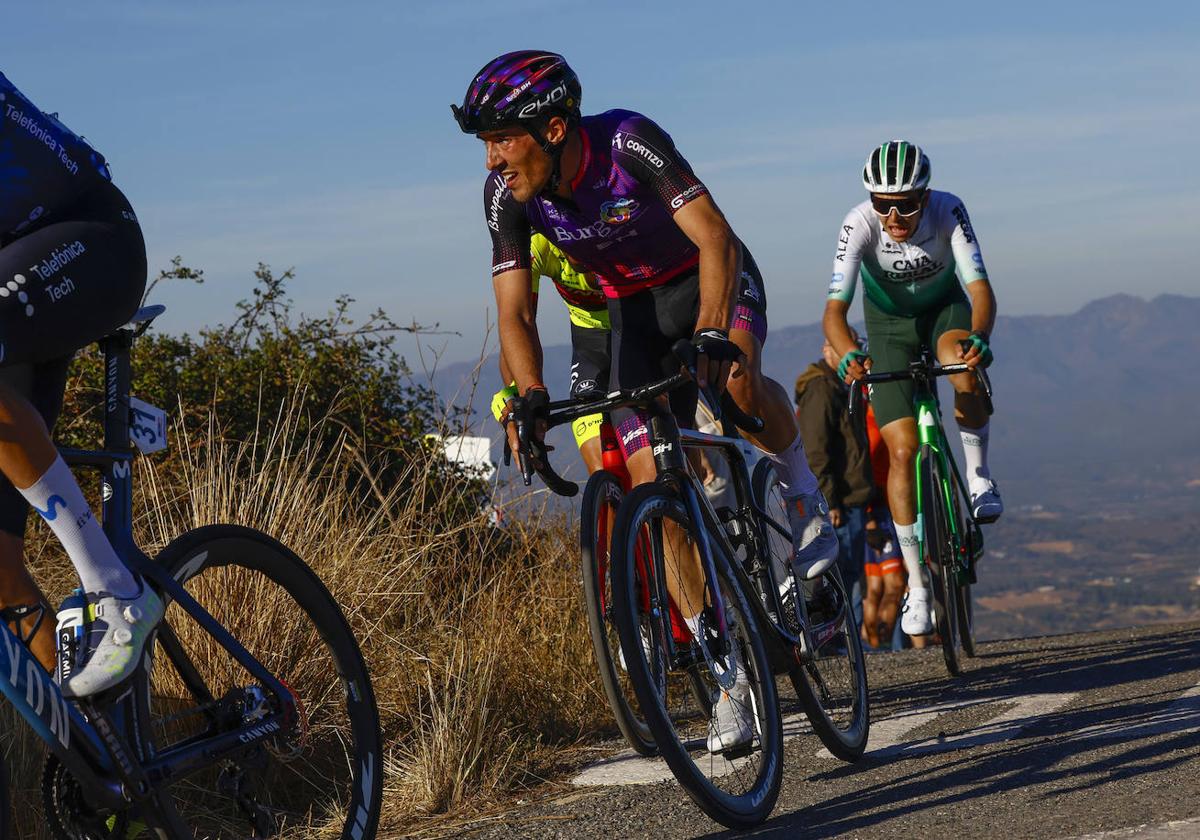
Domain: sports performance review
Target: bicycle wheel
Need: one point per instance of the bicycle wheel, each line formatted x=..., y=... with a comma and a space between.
x=832, y=684
x=597, y=512
x=321, y=776
x=736, y=789
x=963, y=606
x=939, y=560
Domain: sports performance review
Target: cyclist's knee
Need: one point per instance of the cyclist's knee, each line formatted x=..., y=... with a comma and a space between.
x=901, y=454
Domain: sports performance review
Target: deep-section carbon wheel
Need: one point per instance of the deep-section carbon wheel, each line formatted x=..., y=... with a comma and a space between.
x=597, y=513
x=832, y=684
x=738, y=786
x=321, y=774
x=939, y=560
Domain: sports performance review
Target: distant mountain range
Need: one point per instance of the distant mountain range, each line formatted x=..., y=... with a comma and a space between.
x=1097, y=408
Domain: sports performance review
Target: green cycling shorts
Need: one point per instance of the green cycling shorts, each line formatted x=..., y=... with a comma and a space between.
x=896, y=340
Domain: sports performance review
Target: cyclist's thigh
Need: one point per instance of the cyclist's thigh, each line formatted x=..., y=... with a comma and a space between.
x=893, y=342
x=72, y=280
x=590, y=363
x=590, y=360
x=43, y=385
x=644, y=326
x=951, y=324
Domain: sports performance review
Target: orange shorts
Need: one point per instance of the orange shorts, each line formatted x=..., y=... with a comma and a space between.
x=885, y=566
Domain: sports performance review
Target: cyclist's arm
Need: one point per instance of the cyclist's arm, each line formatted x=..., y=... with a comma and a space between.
x=836, y=325
x=704, y=224
x=847, y=260
x=968, y=259
x=512, y=282
x=983, y=306
x=520, y=345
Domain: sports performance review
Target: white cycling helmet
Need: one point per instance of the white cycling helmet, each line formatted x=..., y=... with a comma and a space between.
x=896, y=167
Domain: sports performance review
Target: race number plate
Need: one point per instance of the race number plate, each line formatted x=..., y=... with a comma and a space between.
x=147, y=426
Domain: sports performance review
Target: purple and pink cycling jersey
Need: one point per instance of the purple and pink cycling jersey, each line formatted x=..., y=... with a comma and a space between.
x=618, y=221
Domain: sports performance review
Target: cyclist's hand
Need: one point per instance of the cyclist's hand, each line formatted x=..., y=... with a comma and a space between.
x=716, y=356
x=533, y=408
x=974, y=350
x=853, y=366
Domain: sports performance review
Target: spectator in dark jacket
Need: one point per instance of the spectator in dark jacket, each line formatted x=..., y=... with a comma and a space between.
x=840, y=461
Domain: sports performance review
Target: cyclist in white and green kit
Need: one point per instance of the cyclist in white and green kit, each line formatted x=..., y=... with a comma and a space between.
x=911, y=246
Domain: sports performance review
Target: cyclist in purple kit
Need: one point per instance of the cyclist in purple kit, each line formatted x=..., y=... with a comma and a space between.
x=614, y=194
x=72, y=270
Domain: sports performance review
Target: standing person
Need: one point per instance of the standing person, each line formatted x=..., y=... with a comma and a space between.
x=72, y=269
x=613, y=192
x=907, y=242
x=839, y=460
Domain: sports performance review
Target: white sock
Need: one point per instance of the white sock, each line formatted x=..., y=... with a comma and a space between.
x=911, y=549
x=791, y=467
x=57, y=497
x=975, y=445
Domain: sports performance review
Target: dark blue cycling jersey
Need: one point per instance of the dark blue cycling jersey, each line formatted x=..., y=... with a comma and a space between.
x=44, y=166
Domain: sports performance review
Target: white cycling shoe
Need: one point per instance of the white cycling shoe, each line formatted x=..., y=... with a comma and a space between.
x=986, y=504
x=814, y=542
x=917, y=618
x=116, y=633
x=732, y=724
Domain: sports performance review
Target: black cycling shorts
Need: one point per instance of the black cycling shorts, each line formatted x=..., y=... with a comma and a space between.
x=591, y=359
x=74, y=278
x=645, y=326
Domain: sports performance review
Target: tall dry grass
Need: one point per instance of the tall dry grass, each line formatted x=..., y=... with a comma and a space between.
x=474, y=636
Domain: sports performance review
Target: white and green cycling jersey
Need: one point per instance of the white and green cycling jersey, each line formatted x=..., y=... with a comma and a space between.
x=907, y=278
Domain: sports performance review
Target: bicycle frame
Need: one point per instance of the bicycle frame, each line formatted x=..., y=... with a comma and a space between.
x=94, y=749
x=931, y=442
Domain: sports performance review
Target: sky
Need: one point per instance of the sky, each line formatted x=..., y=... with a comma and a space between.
x=318, y=136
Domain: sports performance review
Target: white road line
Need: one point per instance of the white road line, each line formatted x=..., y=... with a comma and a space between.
x=1166, y=831
x=1180, y=717
x=887, y=737
x=629, y=768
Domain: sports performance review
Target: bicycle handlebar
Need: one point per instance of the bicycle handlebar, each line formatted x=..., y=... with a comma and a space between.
x=854, y=401
x=532, y=454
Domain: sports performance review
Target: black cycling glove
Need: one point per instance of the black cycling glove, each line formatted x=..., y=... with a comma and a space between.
x=715, y=344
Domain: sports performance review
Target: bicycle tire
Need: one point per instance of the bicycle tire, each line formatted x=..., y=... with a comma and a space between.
x=939, y=560
x=844, y=732
x=962, y=603
x=296, y=629
x=597, y=511
x=753, y=793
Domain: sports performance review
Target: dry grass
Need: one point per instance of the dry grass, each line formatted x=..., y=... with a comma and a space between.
x=475, y=638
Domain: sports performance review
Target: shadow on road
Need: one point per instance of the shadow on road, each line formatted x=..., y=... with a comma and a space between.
x=1080, y=747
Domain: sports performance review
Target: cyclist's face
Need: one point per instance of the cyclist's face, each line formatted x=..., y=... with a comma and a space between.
x=898, y=227
x=516, y=155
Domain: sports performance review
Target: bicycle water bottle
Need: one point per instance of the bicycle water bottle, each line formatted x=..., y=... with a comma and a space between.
x=68, y=636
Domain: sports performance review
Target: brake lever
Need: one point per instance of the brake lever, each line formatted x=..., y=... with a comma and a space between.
x=517, y=414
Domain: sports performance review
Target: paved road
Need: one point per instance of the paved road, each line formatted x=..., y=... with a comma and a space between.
x=1058, y=737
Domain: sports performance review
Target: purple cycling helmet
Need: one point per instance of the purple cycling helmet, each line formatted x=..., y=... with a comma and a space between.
x=516, y=89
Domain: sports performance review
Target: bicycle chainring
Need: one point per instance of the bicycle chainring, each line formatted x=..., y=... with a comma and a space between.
x=67, y=814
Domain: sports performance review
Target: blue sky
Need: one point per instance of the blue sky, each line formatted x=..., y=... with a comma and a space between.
x=318, y=135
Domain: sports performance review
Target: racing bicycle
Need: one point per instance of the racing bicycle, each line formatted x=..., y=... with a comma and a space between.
x=779, y=625
x=251, y=713
x=950, y=536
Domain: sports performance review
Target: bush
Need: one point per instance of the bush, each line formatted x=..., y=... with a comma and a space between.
x=341, y=380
